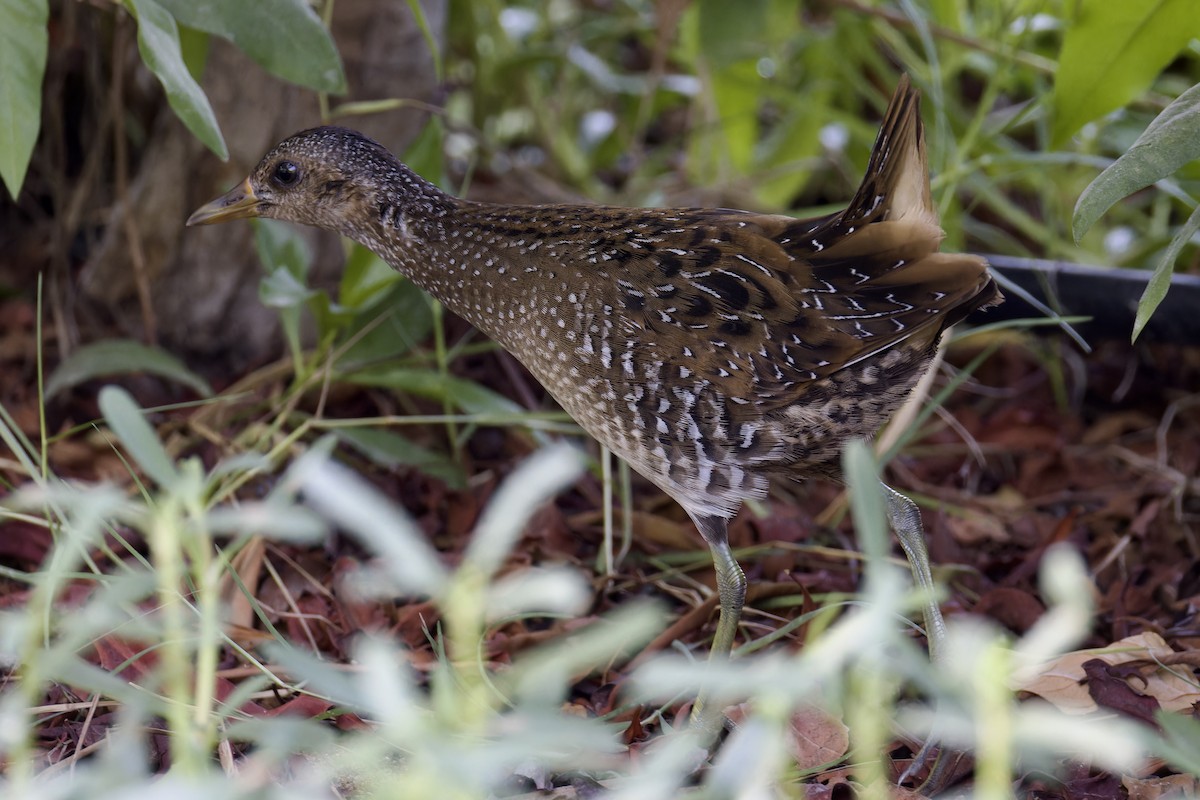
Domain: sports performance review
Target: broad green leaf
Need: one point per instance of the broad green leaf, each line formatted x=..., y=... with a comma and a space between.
x=1160, y=281
x=121, y=357
x=1112, y=51
x=125, y=420
x=408, y=320
x=424, y=155
x=1169, y=142
x=280, y=245
x=730, y=32
x=286, y=260
x=789, y=149
x=158, y=42
x=23, y=41
x=285, y=37
x=466, y=395
x=194, y=45
x=365, y=276
x=280, y=289
x=392, y=450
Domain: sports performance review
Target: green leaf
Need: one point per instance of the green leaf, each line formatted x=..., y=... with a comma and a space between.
x=380, y=525
x=540, y=477
x=730, y=32
x=121, y=357
x=466, y=395
x=866, y=500
x=285, y=37
x=366, y=275
x=284, y=523
x=23, y=41
x=408, y=320
x=1160, y=281
x=1180, y=742
x=1112, y=52
x=280, y=289
x=281, y=245
x=391, y=450
x=158, y=42
x=424, y=155
x=431, y=40
x=125, y=420
x=194, y=46
x=1171, y=140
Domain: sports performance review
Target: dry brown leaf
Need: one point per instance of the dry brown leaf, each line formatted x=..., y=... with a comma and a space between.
x=971, y=527
x=1154, y=788
x=248, y=564
x=1061, y=681
x=817, y=738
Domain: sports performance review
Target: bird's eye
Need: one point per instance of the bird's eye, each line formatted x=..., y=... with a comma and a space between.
x=285, y=174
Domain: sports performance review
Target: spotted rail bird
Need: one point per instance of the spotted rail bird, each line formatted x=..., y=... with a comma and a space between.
x=712, y=349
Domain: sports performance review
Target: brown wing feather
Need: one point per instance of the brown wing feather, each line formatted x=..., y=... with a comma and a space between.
x=785, y=302
x=769, y=304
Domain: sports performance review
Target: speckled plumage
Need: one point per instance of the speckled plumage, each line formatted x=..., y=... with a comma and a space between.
x=712, y=349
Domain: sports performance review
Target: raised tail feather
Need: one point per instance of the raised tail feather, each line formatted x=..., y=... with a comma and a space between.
x=897, y=180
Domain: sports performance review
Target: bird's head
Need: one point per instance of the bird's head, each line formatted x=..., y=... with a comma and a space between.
x=328, y=177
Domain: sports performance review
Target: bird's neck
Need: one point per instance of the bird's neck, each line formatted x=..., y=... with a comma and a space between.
x=439, y=242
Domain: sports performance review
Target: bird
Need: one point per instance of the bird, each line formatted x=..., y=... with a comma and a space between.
x=714, y=350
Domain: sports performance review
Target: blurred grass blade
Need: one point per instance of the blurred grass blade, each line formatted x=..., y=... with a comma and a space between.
x=431, y=41
x=392, y=450
x=1160, y=281
x=549, y=591
x=275, y=521
x=1112, y=52
x=1115, y=745
x=1181, y=743
x=125, y=420
x=539, y=478
x=866, y=499
x=665, y=768
x=539, y=676
x=122, y=357
x=544, y=591
x=750, y=760
x=376, y=522
x=466, y=395
x=278, y=740
x=385, y=685
x=1169, y=142
x=285, y=37
x=1068, y=589
x=320, y=678
x=158, y=42
x=23, y=45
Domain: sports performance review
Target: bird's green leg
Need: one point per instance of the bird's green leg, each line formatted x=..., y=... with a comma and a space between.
x=731, y=589
x=906, y=522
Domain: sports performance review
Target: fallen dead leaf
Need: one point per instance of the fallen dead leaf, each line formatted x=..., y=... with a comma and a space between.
x=971, y=527
x=818, y=738
x=1154, y=788
x=1061, y=681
